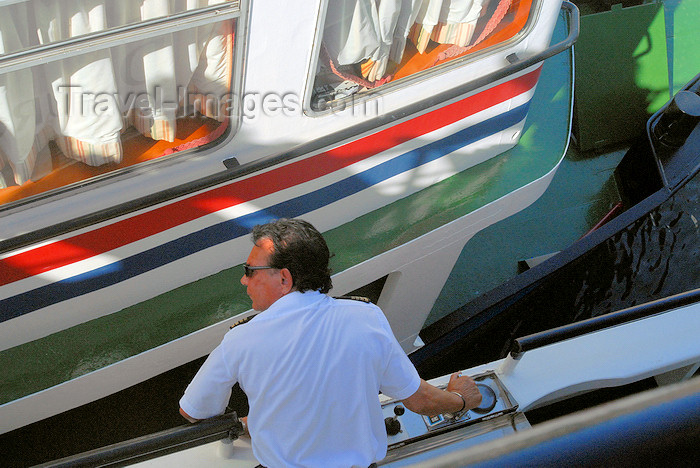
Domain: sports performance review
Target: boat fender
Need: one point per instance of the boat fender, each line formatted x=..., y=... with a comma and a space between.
x=678, y=120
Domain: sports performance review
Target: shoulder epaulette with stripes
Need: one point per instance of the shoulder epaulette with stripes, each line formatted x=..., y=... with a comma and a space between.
x=242, y=321
x=354, y=298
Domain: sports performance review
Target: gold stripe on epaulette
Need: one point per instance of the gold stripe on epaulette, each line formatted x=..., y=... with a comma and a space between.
x=242, y=321
x=354, y=298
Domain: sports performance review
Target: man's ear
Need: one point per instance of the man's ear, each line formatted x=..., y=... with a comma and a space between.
x=286, y=280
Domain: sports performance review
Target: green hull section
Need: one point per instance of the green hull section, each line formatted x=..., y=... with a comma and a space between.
x=87, y=347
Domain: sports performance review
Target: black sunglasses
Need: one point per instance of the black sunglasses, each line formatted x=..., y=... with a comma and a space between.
x=249, y=270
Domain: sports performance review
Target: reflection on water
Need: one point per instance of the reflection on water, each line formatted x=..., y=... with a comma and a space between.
x=655, y=257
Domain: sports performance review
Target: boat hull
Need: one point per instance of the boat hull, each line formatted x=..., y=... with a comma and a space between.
x=109, y=304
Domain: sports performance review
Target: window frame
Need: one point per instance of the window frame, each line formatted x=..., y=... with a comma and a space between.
x=27, y=58
x=364, y=97
x=116, y=36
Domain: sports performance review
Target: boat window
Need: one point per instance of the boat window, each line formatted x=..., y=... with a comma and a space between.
x=369, y=43
x=88, y=87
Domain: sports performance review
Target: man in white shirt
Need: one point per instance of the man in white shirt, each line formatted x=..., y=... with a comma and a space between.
x=312, y=366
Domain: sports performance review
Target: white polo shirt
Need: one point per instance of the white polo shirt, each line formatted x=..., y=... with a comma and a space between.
x=312, y=368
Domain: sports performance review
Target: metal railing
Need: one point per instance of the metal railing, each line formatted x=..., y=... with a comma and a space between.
x=555, y=335
x=157, y=444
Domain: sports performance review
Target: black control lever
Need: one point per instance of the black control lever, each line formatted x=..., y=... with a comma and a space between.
x=393, y=425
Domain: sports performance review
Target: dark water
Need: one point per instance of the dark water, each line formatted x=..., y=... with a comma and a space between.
x=656, y=256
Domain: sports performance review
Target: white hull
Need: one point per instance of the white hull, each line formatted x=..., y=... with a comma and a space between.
x=101, y=250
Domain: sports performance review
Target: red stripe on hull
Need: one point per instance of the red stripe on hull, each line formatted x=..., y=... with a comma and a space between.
x=83, y=246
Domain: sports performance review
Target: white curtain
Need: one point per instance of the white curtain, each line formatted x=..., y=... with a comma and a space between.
x=87, y=101
x=373, y=33
x=17, y=114
x=446, y=22
x=83, y=87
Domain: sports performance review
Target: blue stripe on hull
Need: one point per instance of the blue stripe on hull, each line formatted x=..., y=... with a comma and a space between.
x=174, y=250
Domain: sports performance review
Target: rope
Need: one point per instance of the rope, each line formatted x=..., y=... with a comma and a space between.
x=218, y=131
x=350, y=77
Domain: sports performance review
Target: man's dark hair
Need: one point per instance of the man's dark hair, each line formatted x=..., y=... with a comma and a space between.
x=300, y=248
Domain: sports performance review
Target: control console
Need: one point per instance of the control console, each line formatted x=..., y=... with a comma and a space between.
x=405, y=427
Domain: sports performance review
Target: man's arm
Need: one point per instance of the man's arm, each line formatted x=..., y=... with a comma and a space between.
x=243, y=421
x=188, y=417
x=430, y=400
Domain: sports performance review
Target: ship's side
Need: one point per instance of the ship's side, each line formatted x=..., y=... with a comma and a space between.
x=110, y=279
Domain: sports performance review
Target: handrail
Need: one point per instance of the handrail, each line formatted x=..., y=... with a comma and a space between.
x=157, y=444
x=106, y=38
x=555, y=335
x=561, y=46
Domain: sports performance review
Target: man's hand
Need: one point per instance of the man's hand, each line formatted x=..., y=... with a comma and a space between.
x=430, y=400
x=465, y=386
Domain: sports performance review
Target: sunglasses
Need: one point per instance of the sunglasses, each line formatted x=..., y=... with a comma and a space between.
x=249, y=270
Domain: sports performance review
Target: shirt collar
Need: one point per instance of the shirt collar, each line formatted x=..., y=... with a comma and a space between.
x=293, y=301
